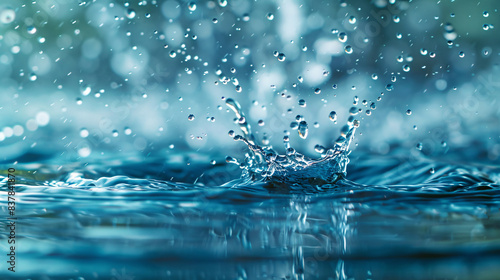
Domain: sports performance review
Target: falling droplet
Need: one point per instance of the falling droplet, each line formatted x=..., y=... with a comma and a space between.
x=281, y=57
x=333, y=116
x=130, y=14
x=342, y=37
x=192, y=6
x=303, y=129
x=348, y=49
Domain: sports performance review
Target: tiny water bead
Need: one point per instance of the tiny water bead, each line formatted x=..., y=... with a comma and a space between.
x=192, y=6
x=333, y=116
x=7, y=15
x=348, y=49
x=281, y=57
x=352, y=19
x=270, y=16
x=130, y=13
x=419, y=146
x=342, y=37
x=486, y=14
x=31, y=30
x=191, y=117
x=408, y=112
x=406, y=68
x=302, y=103
x=303, y=129
x=461, y=54
x=317, y=91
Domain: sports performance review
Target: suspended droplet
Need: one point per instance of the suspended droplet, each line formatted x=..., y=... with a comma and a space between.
x=84, y=133
x=7, y=15
x=130, y=13
x=303, y=129
x=342, y=37
x=281, y=57
x=85, y=90
x=192, y=6
x=419, y=146
x=348, y=49
x=31, y=29
x=333, y=116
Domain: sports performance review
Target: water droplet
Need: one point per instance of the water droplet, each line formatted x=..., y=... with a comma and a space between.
x=261, y=123
x=333, y=116
x=7, y=15
x=348, y=49
x=304, y=48
x=79, y=101
x=432, y=171
x=342, y=37
x=389, y=87
x=319, y=149
x=127, y=131
x=192, y=6
x=399, y=36
x=317, y=91
x=31, y=29
x=238, y=88
x=33, y=77
x=281, y=57
x=302, y=103
x=423, y=51
x=270, y=16
x=115, y=133
x=215, y=20
x=396, y=19
x=419, y=146
x=461, y=54
x=486, y=14
x=432, y=55
x=84, y=133
x=374, y=76
x=303, y=129
x=300, y=79
x=147, y=15
x=408, y=112
x=486, y=26
x=130, y=13
x=352, y=19
x=85, y=90
x=191, y=117
x=223, y=3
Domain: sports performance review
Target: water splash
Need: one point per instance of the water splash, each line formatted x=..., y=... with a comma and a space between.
x=263, y=163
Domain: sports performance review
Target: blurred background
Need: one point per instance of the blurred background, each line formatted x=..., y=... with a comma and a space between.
x=84, y=80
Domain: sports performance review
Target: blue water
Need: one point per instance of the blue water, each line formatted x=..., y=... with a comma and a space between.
x=171, y=139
